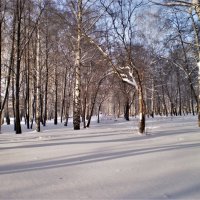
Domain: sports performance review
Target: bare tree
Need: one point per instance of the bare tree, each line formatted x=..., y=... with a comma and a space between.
x=195, y=5
x=77, y=101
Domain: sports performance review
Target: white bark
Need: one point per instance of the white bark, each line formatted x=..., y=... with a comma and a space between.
x=130, y=82
x=116, y=70
x=77, y=100
x=37, y=83
x=177, y=3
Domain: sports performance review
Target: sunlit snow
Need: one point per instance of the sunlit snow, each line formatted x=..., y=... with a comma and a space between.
x=110, y=160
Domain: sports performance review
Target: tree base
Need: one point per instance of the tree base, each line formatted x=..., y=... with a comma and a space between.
x=142, y=124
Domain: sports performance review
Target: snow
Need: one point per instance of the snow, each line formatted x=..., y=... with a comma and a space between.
x=133, y=83
x=107, y=161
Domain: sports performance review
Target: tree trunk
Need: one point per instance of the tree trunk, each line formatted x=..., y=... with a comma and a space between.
x=199, y=97
x=91, y=112
x=0, y=66
x=141, y=111
x=67, y=113
x=37, y=82
x=46, y=93
x=196, y=31
x=93, y=102
x=126, y=109
x=7, y=111
x=13, y=96
x=33, y=108
x=56, y=99
x=99, y=108
x=152, y=99
x=119, y=108
x=28, y=93
x=64, y=95
x=67, y=107
x=77, y=102
x=47, y=72
x=84, y=110
x=17, y=73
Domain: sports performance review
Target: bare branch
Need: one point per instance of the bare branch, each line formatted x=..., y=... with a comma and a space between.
x=177, y=3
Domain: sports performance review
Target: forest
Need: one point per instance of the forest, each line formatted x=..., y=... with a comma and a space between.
x=64, y=59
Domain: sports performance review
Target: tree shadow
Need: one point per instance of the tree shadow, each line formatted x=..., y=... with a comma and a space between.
x=90, y=158
x=126, y=137
x=54, y=138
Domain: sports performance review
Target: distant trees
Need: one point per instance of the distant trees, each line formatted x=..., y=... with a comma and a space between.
x=80, y=58
x=192, y=8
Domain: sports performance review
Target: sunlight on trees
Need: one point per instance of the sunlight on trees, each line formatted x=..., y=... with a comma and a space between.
x=74, y=59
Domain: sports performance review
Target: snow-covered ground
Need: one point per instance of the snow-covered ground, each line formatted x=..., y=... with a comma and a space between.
x=107, y=161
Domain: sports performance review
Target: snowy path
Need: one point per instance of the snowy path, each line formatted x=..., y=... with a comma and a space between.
x=103, y=162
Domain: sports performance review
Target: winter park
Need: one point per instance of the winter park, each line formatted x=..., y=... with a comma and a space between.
x=107, y=161
x=99, y=99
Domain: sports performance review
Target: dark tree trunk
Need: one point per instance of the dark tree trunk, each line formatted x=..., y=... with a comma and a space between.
x=47, y=73
x=67, y=107
x=141, y=111
x=28, y=94
x=7, y=111
x=13, y=97
x=56, y=99
x=17, y=73
x=33, y=108
x=46, y=94
x=91, y=112
x=152, y=99
x=99, y=108
x=84, y=110
x=126, y=110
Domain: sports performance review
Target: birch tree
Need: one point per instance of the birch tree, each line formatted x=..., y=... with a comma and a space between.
x=77, y=101
x=194, y=5
x=122, y=22
x=38, y=114
x=2, y=16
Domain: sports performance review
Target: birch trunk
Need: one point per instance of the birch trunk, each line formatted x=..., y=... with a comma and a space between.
x=0, y=67
x=77, y=101
x=196, y=31
x=47, y=69
x=46, y=89
x=199, y=95
x=37, y=83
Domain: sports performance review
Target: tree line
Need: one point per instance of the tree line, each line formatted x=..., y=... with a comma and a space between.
x=62, y=59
